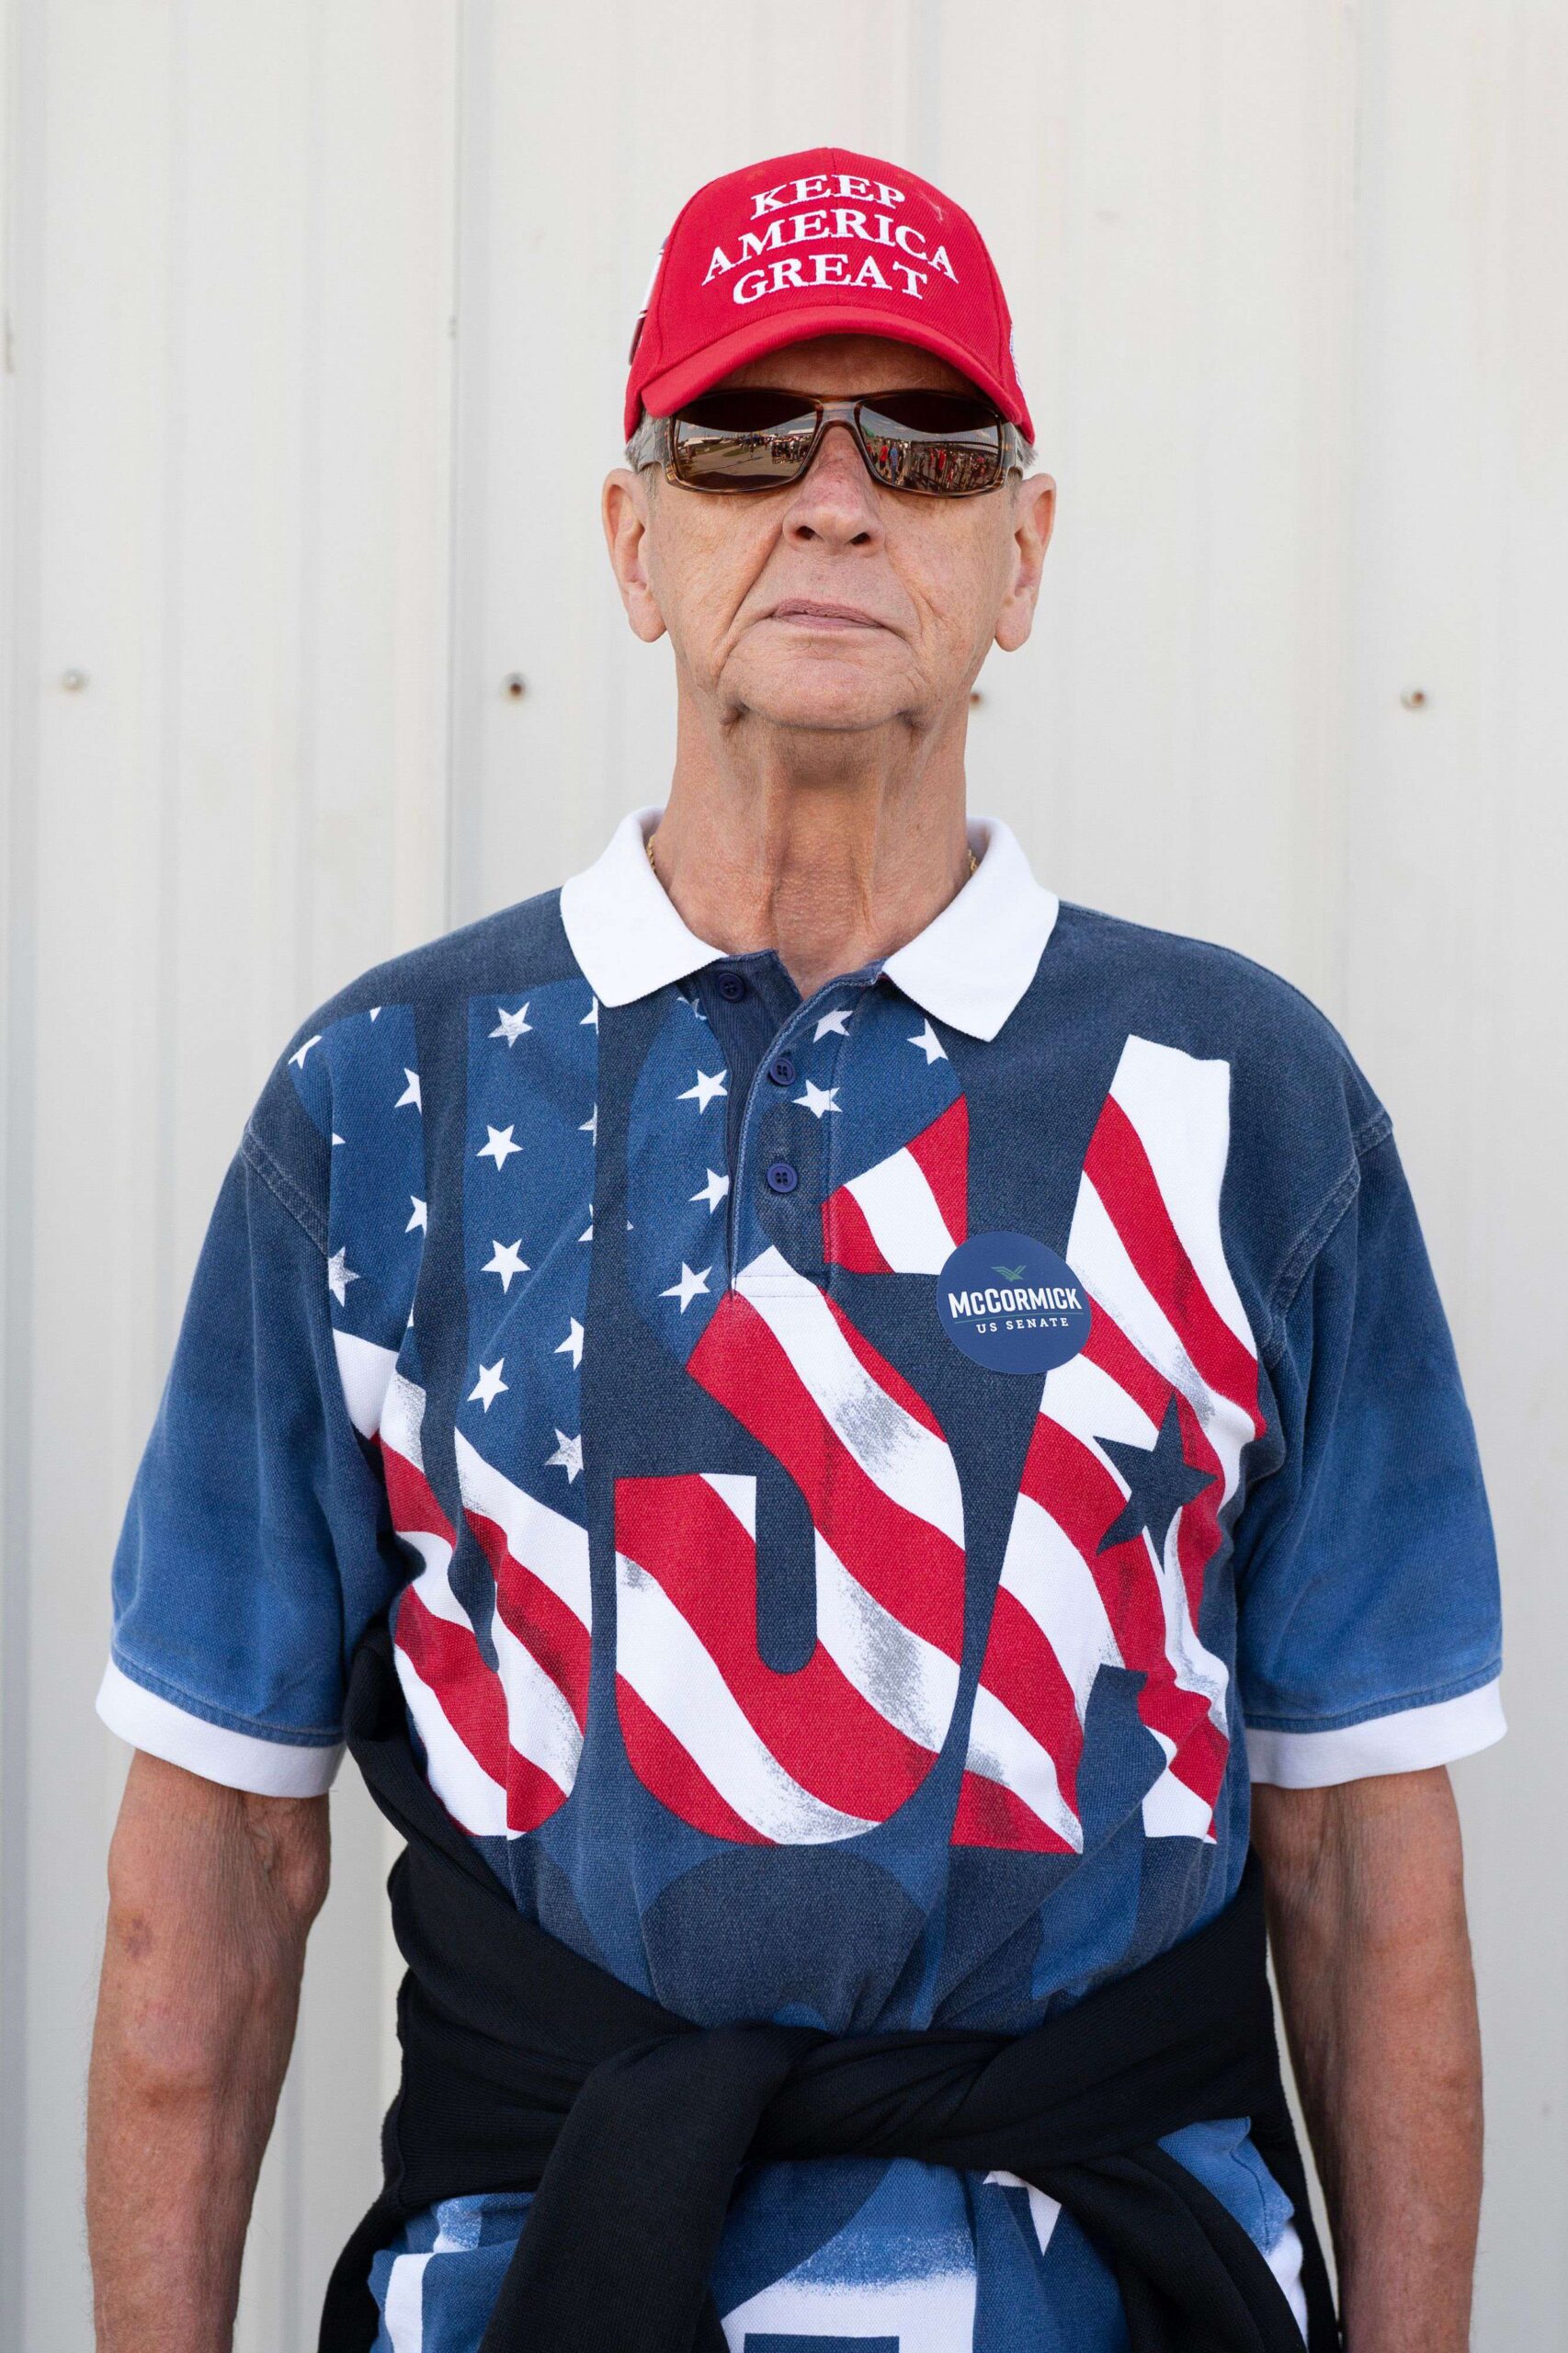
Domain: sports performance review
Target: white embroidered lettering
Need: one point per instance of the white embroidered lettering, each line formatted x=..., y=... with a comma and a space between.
x=753, y=245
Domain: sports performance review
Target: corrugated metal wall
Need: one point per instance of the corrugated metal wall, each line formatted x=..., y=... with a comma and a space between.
x=316, y=320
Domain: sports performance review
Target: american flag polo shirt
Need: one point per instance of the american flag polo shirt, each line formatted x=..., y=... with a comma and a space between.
x=861, y=1486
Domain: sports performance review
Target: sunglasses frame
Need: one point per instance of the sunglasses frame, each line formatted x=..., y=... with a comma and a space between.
x=654, y=444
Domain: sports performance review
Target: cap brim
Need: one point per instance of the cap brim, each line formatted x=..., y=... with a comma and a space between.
x=662, y=394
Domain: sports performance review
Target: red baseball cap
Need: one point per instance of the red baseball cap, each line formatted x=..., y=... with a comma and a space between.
x=825, y=241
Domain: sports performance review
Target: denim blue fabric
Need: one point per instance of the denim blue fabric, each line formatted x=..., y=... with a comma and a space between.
x=770, y=1645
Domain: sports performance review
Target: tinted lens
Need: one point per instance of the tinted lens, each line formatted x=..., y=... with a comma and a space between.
x=941, y=443
x=742, y=440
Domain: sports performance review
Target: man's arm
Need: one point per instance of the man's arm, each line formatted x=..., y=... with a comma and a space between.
x=1367, y=1919
x=211, y=1895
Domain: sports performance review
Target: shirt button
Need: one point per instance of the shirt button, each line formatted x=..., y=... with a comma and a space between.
x=781, y=1070
x=781, y=1177
x=731, y=988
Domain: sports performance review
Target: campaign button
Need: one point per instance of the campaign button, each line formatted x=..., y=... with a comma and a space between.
x=1012, y=1304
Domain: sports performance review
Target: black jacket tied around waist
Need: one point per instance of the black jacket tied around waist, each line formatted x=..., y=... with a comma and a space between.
x=529, y=2067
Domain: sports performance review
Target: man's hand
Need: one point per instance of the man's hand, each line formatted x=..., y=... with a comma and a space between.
x=211, y=1895
x=1366, y=1918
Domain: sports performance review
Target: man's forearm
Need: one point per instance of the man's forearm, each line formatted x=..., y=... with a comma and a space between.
x=1373, y=1954
x=212, y=1892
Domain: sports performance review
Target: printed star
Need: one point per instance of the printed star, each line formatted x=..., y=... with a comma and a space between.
x=685, y=1290
x=339, y=1276
x=835, y=1024
x=587, y=1232
x=708, y=1086
x=572, y=1346
x=375, y=1013
x=512, y=1026
x=489, y=1385
x=336, y=1137
x=568, y=1454
x=410, y=1092
x=421, y=1217
x=591, y=1019
x=1161, y=1479
x=930, y=1046
x=299, y=1059
x=499, y=1146
x=818, y=1098
x=506, y=1260
x=590, y=1126
x=713, y=1192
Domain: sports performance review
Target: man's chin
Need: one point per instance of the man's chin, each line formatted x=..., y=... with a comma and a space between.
x=825, y=696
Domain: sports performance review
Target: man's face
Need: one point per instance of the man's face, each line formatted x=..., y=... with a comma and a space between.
x=833, y=603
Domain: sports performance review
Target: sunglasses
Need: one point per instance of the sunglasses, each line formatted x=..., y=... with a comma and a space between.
x=939, y=445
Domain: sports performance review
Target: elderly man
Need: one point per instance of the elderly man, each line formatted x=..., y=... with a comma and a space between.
x=836, y=1436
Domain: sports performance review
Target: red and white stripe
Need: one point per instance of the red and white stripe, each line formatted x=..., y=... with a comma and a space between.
x=502, y=1750
x=906, y=1215
x=836, y=1747
x=447, y=1686
x=1166, y=1321
x=542, y=1629
x=452, y=1697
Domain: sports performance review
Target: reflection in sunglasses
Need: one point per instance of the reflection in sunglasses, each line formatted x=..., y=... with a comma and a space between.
x=771, y=456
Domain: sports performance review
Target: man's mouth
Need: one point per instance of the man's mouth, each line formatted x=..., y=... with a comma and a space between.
x=812, y=612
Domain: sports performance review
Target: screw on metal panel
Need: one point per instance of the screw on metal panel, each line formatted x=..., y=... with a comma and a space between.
x=1415, y=698
x=72, y=681
x=515, y=684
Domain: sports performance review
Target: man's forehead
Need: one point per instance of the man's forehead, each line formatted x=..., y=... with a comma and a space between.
x=849, y=363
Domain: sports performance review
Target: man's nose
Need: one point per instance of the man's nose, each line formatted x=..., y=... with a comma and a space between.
x=835, y=500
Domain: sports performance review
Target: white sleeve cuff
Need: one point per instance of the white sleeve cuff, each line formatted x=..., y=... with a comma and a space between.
x=271, y=1769
x=1408, y=1742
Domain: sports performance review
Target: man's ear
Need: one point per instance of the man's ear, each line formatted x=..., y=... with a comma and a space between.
x=624, y=508
x=1034, y=513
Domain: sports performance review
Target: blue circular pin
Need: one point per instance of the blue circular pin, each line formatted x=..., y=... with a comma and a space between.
x=1012, y=1304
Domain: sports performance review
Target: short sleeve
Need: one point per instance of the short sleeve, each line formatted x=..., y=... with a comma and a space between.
x=251, y=1533
x=1370, y=1622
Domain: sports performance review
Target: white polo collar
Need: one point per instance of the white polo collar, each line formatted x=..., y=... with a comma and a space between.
x=968, y=968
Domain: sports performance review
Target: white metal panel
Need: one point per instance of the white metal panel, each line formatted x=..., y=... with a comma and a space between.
x=230, y=307
x=1286, y=283
x=1456, y=855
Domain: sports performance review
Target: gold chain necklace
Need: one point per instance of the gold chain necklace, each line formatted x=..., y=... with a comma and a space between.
x=648, y=846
